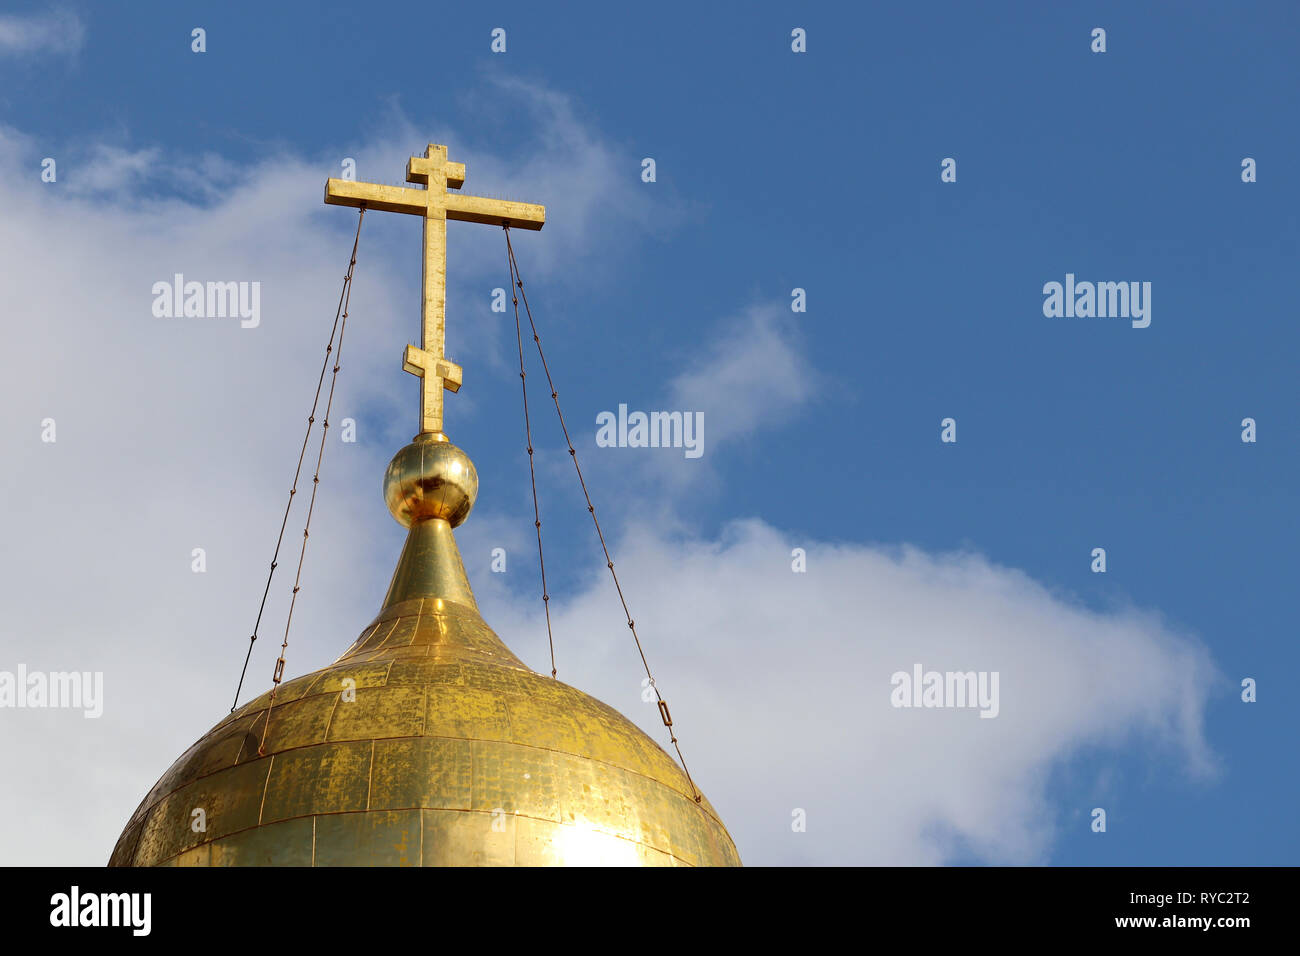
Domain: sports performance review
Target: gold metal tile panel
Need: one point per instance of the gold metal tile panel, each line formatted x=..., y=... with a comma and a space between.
x=368, y=839
x=329, y=778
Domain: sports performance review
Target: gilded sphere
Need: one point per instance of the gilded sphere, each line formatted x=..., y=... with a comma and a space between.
x=430, y=479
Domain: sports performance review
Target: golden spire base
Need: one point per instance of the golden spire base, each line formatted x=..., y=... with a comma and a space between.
x=430, y=487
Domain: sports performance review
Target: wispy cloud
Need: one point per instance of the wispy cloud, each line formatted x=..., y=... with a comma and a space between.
x=752, y=372
x=747, y=374
x=60, y=31
x=111, y=169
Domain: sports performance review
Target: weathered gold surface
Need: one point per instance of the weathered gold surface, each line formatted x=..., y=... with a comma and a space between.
x=436, y=174
x=427, y=743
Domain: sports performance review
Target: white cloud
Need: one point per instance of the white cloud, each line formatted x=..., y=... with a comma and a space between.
x=60, y=31
x=753, y=373
x=112, y=169
x=746, y=375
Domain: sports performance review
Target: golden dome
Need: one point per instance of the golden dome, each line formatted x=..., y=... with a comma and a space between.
x=427, y=743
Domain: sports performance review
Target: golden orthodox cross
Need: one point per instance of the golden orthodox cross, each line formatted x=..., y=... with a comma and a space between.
x=436, y=205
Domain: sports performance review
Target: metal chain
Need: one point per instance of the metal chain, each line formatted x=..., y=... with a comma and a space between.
x=532, y=473
x=591, y=509
x=315, y=484
x=311, y=419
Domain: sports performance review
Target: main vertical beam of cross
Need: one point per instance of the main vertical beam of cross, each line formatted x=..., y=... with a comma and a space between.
x=434, y=317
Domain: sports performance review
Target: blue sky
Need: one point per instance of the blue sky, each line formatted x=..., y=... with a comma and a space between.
x=821, y=171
